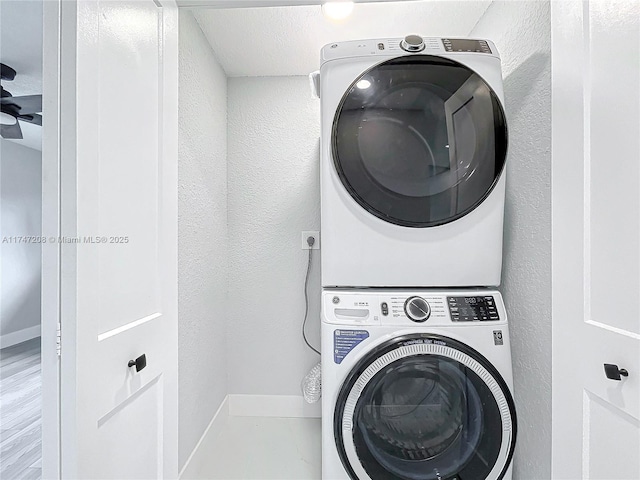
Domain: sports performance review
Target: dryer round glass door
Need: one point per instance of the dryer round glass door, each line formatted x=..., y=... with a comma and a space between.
x=419, y=140
x=425, y=407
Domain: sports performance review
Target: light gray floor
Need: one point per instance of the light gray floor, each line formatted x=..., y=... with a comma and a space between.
x=263, y=448
x=20, y=412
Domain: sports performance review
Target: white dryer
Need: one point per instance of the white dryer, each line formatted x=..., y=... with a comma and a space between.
x=416, y=385
x=414, y=142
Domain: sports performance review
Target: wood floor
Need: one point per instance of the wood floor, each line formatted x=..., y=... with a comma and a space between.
x=20, y=412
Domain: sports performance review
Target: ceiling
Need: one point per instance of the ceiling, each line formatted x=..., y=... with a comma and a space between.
x=286, y=40
x=256, y=41
x=21, y=49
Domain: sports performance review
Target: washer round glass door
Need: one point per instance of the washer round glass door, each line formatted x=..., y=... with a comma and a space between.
x=425, y=407
x=419, y=140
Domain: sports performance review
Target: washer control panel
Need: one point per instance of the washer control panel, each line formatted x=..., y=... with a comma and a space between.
x=473, y=309
x=412, y=307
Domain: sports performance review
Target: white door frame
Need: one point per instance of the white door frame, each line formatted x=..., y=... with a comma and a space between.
x=566, y=45
x=50, y=316
x=56, y=13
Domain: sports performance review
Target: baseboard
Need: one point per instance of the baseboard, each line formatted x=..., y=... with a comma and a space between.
x=291, y=406
x=14, y=338
x=200, y=452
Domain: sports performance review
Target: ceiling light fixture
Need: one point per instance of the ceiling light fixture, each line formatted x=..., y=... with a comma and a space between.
x=337, y=10
x=6, y=119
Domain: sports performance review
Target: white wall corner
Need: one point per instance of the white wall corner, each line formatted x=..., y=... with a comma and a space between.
x=283, y=406
x=194, y=463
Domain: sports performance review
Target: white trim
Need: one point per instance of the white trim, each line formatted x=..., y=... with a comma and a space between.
x=14, y=338
x=568, y=57
x=287, y=406
x=50, y=288
x=218, y=422
x=168, y=227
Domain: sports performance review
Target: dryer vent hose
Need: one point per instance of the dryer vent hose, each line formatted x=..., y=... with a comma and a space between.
x=312, y=384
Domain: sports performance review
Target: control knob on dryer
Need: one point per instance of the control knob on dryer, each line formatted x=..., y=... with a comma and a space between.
x=417, y=309
x=412, y=43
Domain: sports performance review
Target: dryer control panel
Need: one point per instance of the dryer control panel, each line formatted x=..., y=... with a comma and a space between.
x=398, y=46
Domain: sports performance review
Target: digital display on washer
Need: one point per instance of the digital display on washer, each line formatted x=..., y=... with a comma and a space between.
x=464, y=45
x=473, y=309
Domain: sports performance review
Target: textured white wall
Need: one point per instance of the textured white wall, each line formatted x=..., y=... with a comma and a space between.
x=20, y=215
x=274, y=126
x=521, y=31
x=202, y=242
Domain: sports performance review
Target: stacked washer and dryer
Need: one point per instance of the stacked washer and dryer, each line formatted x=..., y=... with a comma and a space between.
x=416, y=372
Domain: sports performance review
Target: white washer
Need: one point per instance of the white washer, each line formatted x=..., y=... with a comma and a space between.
x=416, y=385
x=412, y=163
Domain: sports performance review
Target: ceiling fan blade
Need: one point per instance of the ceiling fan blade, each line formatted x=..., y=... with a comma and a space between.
x=10, y=131
x=6, y=72
x=27, y=104
x=33, y=118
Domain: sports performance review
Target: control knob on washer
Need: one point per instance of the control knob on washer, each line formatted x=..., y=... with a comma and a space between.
x=417, y=309
x=412, y=43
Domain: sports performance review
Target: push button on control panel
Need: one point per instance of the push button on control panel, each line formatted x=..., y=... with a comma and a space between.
x=385, y=308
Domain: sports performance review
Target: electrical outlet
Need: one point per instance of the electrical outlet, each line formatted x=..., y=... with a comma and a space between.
x=316, y=243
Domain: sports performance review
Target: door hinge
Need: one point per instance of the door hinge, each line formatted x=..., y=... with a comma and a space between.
x=58, y=339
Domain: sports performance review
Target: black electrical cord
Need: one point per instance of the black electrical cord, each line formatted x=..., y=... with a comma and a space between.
x=310, y=242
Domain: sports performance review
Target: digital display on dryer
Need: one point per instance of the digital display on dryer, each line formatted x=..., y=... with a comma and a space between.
x=465, y=45
x=473, y=309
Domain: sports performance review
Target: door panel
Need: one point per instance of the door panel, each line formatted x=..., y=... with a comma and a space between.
x=614, y=143
x=119, y=380
x=141, y=417
x=607, y=346
x=618, y=457
x=596, y=238
x=128, y=161
x=119, y=289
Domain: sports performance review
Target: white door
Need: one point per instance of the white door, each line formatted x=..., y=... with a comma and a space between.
x=596, y=238
x=119, y=225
